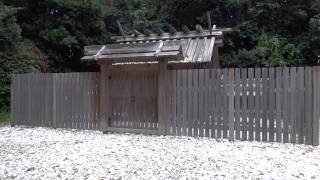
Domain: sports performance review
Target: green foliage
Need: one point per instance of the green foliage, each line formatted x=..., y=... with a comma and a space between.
x=270, y=50
x=136, y=14
x=50, y=34
x=58, y=37
x=61, y=28
x=9, y=29
x=4, y=118
x=16, y=56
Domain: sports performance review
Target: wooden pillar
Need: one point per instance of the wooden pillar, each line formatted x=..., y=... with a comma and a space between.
x=104, y=96
x=162, y=101
x=215, y=59
x=315, y=105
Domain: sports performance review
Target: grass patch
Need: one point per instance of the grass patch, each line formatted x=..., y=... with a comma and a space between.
x=4, y=117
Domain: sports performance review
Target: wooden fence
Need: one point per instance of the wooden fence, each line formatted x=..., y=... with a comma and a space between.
x=255, y=104
x=261, y=104
x=56, y=100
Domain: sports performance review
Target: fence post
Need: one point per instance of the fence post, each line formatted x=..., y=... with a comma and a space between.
x=54, y=100
x=315, y=104
x=12, y=100
x=231, y=104
x=104, y=96
x=162, y=107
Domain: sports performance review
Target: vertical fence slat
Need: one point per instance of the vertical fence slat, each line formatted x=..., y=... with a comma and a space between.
x=231, y=105
x=315, y=94
x=190, y=103
x=279, y=104
x=220, y=102
x=292, y=105
x=201, y=102
x=237, y=103
x=264, y=104
x=225, y=102
x=271, y=104
x=250, y=103
x=285, y=94
x=214, y=110
x=207, y=101
x=244, y=76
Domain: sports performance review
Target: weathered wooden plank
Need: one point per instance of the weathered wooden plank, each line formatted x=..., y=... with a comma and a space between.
x=308, y=106
x=214, y=92
x=231, y=105
x=285, y=94
x=220, y=102
x=244, y=99
x=201, y=105
x=132, y=130
x=54, y=100
x=279, y=106
x=174, y=101
x=145, y=95
x=251, y=103
x=184, y=102
x=17, y=100
x=69, y=91
x=271, y=104
x=46, y=96
x=225, y=102
x=196, y=103
x=72, y=86
x=161, y=96
x=90, y=95
x=299, y=106
x=316, y=104
x=207, y=101
x=179, y=102
x=292, y=97
x=237, y=101
x=104, y=96
x=12, y=100
x=264, y=104
x=190, y=103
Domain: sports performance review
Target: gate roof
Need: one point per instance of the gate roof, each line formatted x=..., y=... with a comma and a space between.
x=175, y=47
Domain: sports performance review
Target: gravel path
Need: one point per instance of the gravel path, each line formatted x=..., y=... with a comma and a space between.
x=40, y=153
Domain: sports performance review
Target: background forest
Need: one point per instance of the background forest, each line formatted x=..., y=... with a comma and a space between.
x=48, y=35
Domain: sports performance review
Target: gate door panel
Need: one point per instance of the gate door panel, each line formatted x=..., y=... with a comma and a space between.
x=134, y=99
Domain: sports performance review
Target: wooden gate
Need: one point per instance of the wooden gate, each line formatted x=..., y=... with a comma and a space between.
x=133, y=99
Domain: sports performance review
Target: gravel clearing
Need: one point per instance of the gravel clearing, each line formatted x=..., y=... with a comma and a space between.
x=41, y=153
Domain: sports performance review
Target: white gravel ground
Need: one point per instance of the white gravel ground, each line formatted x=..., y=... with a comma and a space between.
x=40, y=153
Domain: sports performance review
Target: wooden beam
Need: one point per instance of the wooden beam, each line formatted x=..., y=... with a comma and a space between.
x=148, y=32
x=179, y=35
x=209, y=21
x=171, y=29
x=185, y=29
x=135, y=67
x=199, y=29
x=120, y=29
x=134, y=131
x=159, y=31
x=141, y=57
x=137, y=33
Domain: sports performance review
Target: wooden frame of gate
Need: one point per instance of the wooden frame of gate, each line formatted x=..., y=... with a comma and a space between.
x=139, y=53
x=156, y=124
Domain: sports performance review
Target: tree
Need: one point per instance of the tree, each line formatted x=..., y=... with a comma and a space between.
x=61, y=29
x=16, y=55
